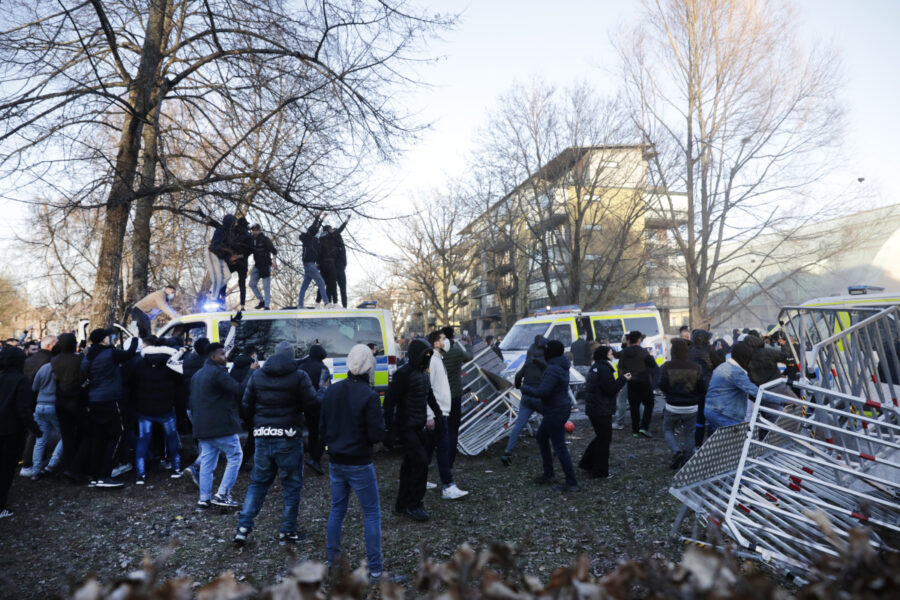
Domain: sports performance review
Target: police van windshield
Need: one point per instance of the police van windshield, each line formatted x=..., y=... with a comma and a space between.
x=336, y=334
x=521, y=336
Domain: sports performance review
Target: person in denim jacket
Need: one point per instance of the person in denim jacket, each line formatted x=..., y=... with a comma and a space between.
x=729, y=390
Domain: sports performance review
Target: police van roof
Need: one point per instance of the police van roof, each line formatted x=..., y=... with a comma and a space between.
x=885, y=299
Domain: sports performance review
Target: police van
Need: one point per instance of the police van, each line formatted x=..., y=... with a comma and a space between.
x=566, y=323
x=336, y=330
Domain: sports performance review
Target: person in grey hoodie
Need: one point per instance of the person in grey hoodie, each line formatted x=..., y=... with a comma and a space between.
x=45, y=416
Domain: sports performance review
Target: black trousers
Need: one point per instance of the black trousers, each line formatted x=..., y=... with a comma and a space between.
x=240, y=267
x=74, y=427
x=142, y=321
x=640, y=393
x=453, y=426
x=413, y=470
x=341, y=277
x=596, y=456
x=313, y=444
x=106, y=435
x=329, y=274
x=11, y=446
x=700, y=429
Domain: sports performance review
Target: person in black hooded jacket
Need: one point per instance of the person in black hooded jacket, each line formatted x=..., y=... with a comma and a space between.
x=318, y=372
x=276, y=397
x=600, y=390
x=74, y=426
x=311, y=250
x=16, y=417
x=530, y=373
x=708, y=359
x=218, y=257
x=242, y=246
x=636, y=360
x=406, y=417
x=156, y=388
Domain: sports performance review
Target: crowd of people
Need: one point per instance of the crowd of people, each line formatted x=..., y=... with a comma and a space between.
x=234, y=241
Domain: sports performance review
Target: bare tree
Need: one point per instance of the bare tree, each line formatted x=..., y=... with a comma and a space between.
x=743, y=120
x=108, y=69
x=435, y=261
x=569, y=196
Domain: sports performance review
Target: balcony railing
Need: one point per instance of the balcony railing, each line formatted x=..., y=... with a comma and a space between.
x=492, y=311
x=483, y=289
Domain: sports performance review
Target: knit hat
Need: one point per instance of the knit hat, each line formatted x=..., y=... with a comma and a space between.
x=554, y=348
x=285, y=348
x=98, y=335
x=360, y=360
x=680, y=348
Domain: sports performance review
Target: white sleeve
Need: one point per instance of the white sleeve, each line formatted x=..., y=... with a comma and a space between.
x=229, y=339
x=176, y=362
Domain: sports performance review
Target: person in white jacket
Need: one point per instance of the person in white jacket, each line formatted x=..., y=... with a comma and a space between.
x=438, y=440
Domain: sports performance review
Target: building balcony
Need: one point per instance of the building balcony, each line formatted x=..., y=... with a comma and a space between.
x=483, y=289
x=492, y=311
x=475, y=312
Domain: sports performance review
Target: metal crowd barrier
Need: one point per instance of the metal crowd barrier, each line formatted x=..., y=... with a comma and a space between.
x=490, y=402
x=792, y=482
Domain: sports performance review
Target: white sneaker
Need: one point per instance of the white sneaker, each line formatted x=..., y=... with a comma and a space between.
x=6, y=513
x=123, y=468
x=430, y=486
x=320, y=306
x=451, y=492
x=29, y=472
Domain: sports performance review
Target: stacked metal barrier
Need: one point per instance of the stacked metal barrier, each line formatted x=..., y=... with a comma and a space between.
x=490, y=402
x=792, y=482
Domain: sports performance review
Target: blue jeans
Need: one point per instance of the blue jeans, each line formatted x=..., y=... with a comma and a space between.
x=361, y=479
x=272, y=456
x=715, y=420
x=311, y=273
x=230, y=446
x=552, y=431
x=521, y=421
x=266, y=296
x=45, y=415
x=145, y=435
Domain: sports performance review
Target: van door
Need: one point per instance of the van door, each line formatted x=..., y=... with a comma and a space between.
x=562, y=331
x=608, y=328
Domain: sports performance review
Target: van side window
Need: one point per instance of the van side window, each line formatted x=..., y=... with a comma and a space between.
x=646, y=325
x=264, y=334
x=561, y=332
x=336, y=334
x=609, y=329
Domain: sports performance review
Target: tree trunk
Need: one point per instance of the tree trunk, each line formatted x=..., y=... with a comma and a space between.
x=141, y=234
x=118, y=203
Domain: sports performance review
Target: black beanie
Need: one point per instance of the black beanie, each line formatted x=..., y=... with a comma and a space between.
x=554, y=348
x=98, y=335
x=741, y=353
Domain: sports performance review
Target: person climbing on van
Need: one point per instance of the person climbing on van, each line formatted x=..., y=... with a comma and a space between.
x=217, y=258
x=332, y=258
x=242, y=244
x=264, y=253
x=311, y=250
x=151, y=306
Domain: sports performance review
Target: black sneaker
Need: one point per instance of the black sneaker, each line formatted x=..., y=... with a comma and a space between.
x=567, y=487
x=417, y=514
x=140, y=480
x=544, y=479
x=290, y=538
x=260, y=305
x=676, y=461
x=227, y=501
x=315, y=465
x=176, y=473
x=240, y=536
x=203, y=505
x=110, y=482
x=506, y=459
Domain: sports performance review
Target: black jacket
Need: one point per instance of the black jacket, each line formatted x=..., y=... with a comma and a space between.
x=682, y=382
x=581, y=353
x=313, y=366
x=221, y=244
x=351, y=421
x=154, y=386
x=34, y=362
x=66, y=367
x=242, y=244
x=410, y=391
x=240, y=368
x=637, y=361
x=275, y=398
x=702, y=354
x=763, y=362
x=16, y=404
x=263, y=250
x=214, y=402
x=454, y=359
x=600, y=389
x=533, y=367
x=311, y=242
x=102, y=367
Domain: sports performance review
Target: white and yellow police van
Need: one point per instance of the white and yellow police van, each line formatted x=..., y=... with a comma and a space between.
x=336, y=330
x=566, y=323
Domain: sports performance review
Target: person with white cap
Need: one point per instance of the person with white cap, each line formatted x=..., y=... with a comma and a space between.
x=351, y=423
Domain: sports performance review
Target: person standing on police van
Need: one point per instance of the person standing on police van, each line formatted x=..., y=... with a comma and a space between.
x=151, y=306
x=264, y=253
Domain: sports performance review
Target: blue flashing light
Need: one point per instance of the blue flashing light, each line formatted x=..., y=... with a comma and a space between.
x=633, y=306
x=212, y=306
x=368, y=304
x=858, y=290
x=551, y=310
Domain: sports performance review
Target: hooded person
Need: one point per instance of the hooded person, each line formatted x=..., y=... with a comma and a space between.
x=311, y=254
x=730, y=389
x=405, y=414
x=703, y=355
x=241, y=244
x=320, y=375
x=530, y=373
x=553, y=392
x=276, y=397
x=16, y=417
x=44, y=388
x=681, y=380
x=70, y=409
x=352, y=422
x=454, y=358
x=600, y=390
x=156, y=389
x=220, y=253
x=635, y=359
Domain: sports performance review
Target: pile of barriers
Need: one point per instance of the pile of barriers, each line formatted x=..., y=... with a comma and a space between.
x=790, y=484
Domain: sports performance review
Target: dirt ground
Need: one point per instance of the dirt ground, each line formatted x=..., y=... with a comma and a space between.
x=62, y=533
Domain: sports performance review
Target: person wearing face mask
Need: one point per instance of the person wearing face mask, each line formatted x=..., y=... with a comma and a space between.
x=150, y=307
x=437, y=438
x=405, y=415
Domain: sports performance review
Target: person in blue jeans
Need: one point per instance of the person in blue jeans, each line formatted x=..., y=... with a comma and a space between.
x=276, y=397
x=729, y=391
x=44, y=386
x=311, y=251
x=530, y=373
x=556, y=406
x=351, y=423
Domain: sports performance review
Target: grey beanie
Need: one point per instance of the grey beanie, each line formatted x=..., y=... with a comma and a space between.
x=285, y=348
x=360, y=360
